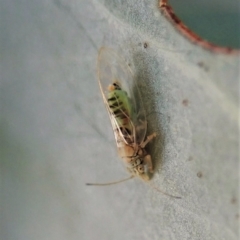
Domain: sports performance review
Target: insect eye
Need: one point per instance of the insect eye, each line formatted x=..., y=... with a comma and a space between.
x=116, y=85
x=140, y=169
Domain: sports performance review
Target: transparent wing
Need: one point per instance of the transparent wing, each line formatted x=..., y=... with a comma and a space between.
x=112, y=68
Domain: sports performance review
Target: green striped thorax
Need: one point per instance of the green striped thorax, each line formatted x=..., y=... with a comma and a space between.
x=120, y=106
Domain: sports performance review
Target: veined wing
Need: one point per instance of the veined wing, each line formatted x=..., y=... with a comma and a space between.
x=113, y=69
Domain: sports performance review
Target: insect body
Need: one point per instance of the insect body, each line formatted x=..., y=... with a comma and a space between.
x=123, y=117
x=125, y=108
x=121, y=109
x=124, y=105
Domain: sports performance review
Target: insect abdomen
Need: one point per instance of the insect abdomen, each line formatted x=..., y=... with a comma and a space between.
x=120, y=107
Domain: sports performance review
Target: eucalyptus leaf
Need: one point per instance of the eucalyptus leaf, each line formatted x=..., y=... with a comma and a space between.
x=56, y=135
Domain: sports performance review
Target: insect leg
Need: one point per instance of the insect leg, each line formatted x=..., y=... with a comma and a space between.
x=149, y=138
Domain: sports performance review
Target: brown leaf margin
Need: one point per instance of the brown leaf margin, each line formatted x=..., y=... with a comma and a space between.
x=167, y=10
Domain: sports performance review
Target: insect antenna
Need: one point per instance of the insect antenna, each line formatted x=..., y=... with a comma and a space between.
x=157, y=189
x=110, y=183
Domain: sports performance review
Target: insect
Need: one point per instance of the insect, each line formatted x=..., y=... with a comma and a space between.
x=124, y=105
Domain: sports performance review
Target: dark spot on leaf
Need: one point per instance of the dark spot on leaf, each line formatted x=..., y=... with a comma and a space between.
x=234, y=200
x=203, y=66
x=199, y=174
x=185, y=102
x=145, y=45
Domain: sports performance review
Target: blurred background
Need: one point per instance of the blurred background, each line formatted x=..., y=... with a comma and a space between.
x=215, y=21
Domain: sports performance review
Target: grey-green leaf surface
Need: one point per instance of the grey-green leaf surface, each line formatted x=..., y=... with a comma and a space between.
x=56, y=135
